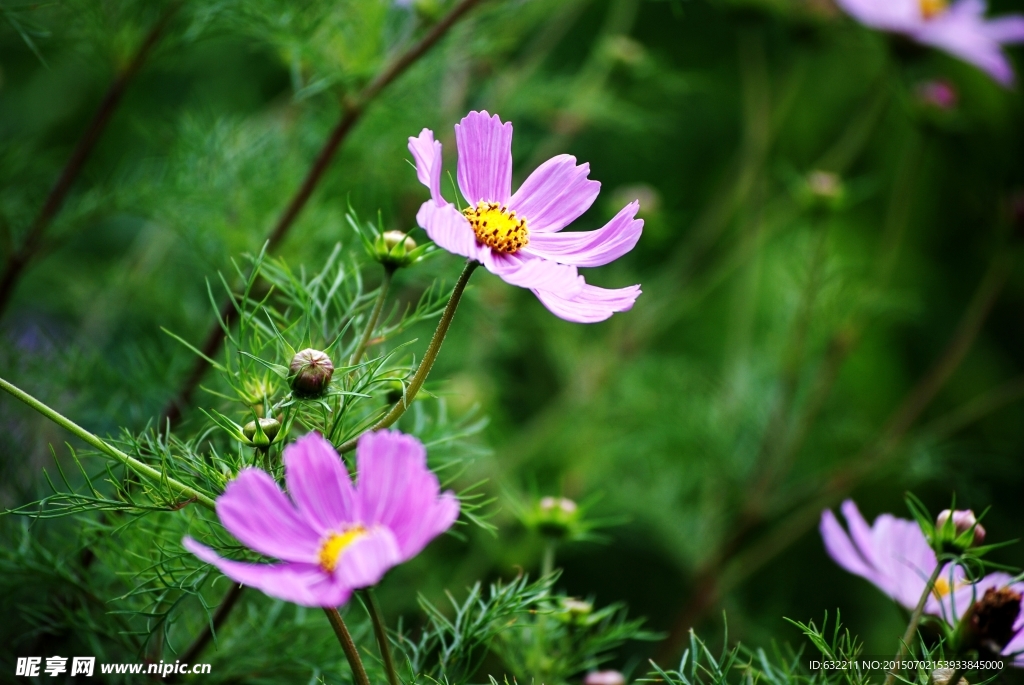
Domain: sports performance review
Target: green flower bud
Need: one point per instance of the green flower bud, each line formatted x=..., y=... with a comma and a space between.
x=311, y=373
x=395, y=249
x=822, y=190
x=959, y=530
x=269, y=427
x=556, y=516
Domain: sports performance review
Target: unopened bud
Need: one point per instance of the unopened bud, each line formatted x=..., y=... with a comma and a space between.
x=311, y=373
x=941, y=676
x=557, y=516
x=604, y=678
x=270, y=428
x=394, y=248
x=963, y=521
x=823, y=190
x=938, y=94
x=577, y=607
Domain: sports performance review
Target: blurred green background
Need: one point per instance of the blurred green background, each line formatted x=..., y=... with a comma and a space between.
x=785, y=353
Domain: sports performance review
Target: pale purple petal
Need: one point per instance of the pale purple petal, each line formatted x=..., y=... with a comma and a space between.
x=1006, y=29
x=304, y=584
x=427, y=153
x=904, y=558
x=485, y=158
x=860, y=531
x=447, y=227
x=591, y=248
x=319, y=483
x=397, y=490
x=527, y=271
x=842, y=549
x=591, y=304
x=963, y=32
x=255, y=511
x=886, y=15
x=957, y=602
x=557, y=193
x=367, y=559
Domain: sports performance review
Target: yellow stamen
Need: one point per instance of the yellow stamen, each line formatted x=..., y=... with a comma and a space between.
x=941, y=588
x=333, y=547
x=496, y=227
x=932, y=8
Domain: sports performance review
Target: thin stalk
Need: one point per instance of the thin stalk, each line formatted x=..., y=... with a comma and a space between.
x=347, y=645
x=547, y=564
x=381, y=632
x=144, y=470
x=382, y=295
x=351, y=115
x=915, y=619
x=20, y=258
x=429, y=357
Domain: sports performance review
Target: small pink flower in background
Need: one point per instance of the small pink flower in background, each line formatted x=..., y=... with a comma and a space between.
x=892, y=553
x=332, y=537
x=959, y=28
x=940, y=94
x=604, y=678
x=517, y=236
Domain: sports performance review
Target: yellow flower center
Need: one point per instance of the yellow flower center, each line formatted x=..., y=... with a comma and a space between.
x=496, y=227
x=932, y=8
x=336, y=544
x=941, y=588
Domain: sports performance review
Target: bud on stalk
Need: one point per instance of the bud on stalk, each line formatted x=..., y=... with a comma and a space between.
x=311, y=373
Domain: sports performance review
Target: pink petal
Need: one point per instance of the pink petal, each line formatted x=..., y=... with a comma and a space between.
x=255, y=511
x=427, y=153
x=319, y=483
x=842, y=550
x=860, y=532
x=591, y=248
x=485, y=158
x=367, y=559
x=528, y=271
x=591, y=304
x=557, y=193
x=962, y=32
x=447, y=227
x=304, y=584
x=1006, y=29
x=886, y=15
x=397, y=490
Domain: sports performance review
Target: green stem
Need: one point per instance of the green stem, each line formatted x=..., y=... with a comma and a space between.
x=915, y=619
x=423, y=370
x=380, y=631
x=378, y=306
x=347, y=645
x=144, y=470
x=547, y=564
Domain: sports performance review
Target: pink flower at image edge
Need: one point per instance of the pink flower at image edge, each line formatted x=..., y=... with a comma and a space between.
x=960, y=29
x=518, y=236
x=332, y=537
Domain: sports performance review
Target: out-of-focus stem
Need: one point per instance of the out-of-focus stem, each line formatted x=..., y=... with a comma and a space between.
x=915, y=620
x=20, y=258
x=381, y=632
x=429, y=357
x=347, y=646
x=547, y=565
x=371, y=323
x=352, y=113
x=144, y=470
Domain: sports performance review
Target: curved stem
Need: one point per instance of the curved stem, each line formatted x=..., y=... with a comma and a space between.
x=371, y=323
x=347, y=645
x=144, y=470
x=423, y=370
x=380, y=631
x=915, y=619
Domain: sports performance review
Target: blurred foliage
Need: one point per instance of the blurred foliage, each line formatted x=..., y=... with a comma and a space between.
x=786, y=352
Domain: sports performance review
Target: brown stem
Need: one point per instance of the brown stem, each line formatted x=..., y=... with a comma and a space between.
x=347, y=645
x=20, y=258
x=350, y=116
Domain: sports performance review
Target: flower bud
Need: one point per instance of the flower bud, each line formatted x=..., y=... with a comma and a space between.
x=311, y=373
x=938, y=94
x=941, y=676
x=959, y=534
x=822, y=190
x=604, y=678
x=394, y=248
x=269, y=427
x=576, y=607
x=557, y=516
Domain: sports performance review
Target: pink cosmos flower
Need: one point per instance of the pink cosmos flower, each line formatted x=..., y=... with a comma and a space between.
x=892, y=553
x=998, y=619
x=960, y=29
x=517, y=236
x=332, y=536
